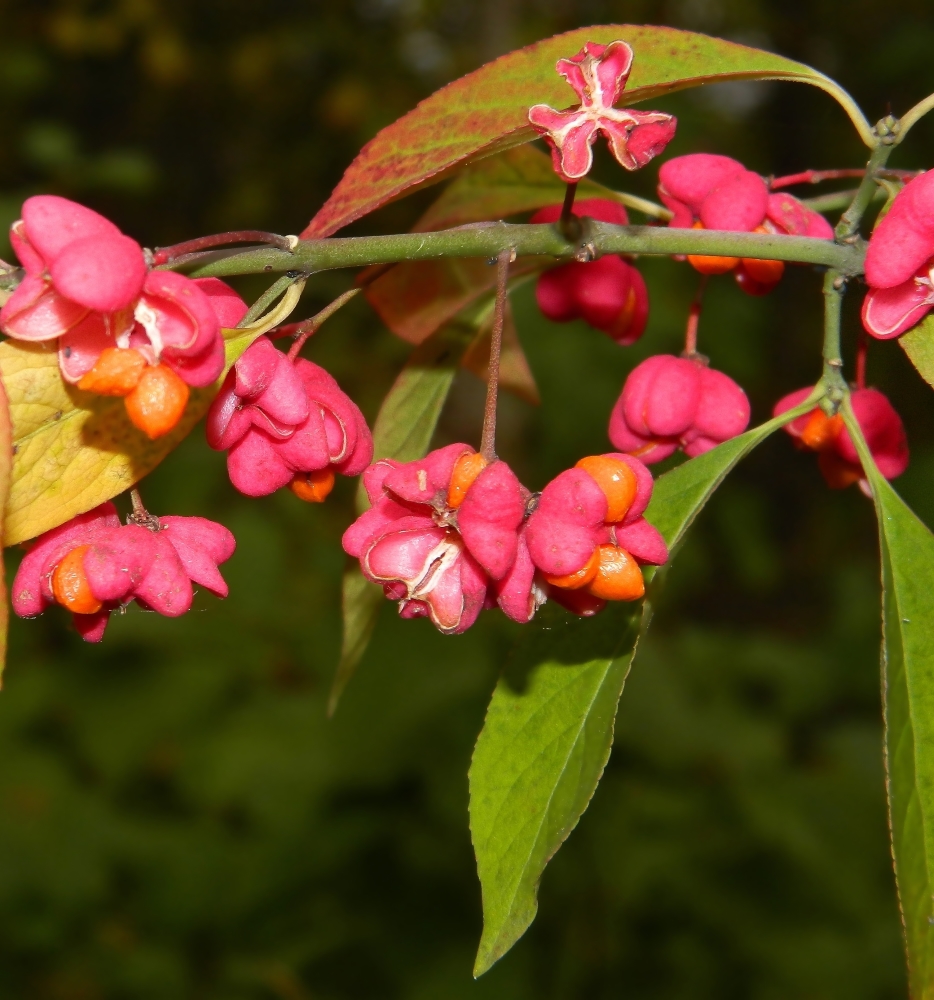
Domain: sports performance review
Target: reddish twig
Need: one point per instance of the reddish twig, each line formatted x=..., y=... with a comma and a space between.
x=694, y=314
x=302, y=331
x=569, y=224
x=818, y=176
x=862, y=345
x=163, y=255
x=488, y=438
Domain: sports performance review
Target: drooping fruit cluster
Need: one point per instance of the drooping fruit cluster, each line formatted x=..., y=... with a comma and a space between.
x=669, y=403
x=706, y=191
x=286, y=422
x=452, y=533
x=608, y=293
x=588, y=535
x=93, y=565
x=122, y=329
x=442, y=533
x=836, y=453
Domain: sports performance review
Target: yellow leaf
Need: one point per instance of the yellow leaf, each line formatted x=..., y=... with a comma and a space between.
x=73, y=450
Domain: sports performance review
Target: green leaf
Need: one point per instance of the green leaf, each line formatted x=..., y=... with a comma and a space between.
x=415, y=299
x=907, y=556
x=486, y=111
x=680, y=495
x=403, y=431
x=918, y=344
x=361, y=602
x=73, y=450
x=544, y=744
x=549, y=727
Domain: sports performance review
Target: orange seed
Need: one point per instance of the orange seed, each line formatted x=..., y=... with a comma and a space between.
x=313, y=487
x=70, y=585
x=116, y=373
x=710, y=265
x=574, y=581
x=466, y=470
x=157, y=403
x=619, y=577
x=615, y=479
x=820, y=430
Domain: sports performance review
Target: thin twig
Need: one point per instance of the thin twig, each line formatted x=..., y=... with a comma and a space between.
x=488, y=438
x=694, y=314
x=163, y=255
x=862, y=343
x=569, y=223
x=272, y=294
x=139, y=509
x=818, y=176
x=308, y=327
x=814, y=177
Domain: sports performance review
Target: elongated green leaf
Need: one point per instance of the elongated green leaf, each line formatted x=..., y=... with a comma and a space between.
x=403, y=431
x=486, y=111
x=73, y=450
x=907, y=556
x=680, y=495
x=543, y=748
x=918, y=344
x=547, y=734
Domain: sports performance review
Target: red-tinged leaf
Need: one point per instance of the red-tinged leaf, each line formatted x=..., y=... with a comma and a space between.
x=415, y=299
x=514, y=372
x=486, y=111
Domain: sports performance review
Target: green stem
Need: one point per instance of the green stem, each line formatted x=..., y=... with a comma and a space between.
x=489, y=239
x=275, y=291
x=832, y=379
x=913, y=116
x=838, y=199
x=848, y=227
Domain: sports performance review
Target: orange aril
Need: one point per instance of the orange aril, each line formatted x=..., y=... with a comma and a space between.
x=618, y=576
x=157, y=403
x=624, y=320
x=313, y=487
x=711, y=265
x=820, y=430
x=574, y=581
x=466, y=470
x=116, y=373
x=70, y=585
x=616, y=480
x=766, y=272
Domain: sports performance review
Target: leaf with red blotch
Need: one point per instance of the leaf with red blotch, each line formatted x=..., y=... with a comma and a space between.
x=416, y=298
x=515, y=375
x=486, y=111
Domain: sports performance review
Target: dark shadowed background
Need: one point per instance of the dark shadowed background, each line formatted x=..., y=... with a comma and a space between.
x=177, y=816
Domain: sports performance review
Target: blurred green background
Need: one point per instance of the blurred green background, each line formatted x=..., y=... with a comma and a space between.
x=177, y=816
